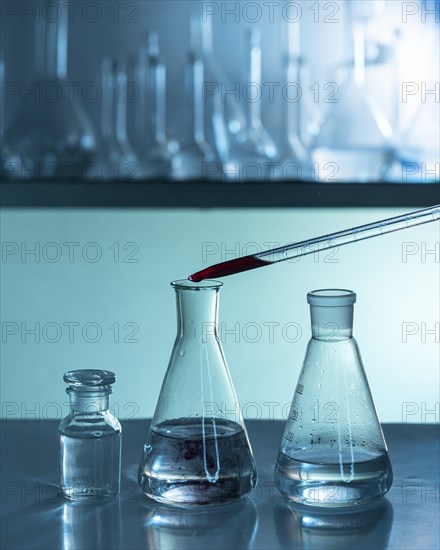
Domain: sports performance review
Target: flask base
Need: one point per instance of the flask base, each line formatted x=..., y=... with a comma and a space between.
x=333, y=484
x=186, y=497
x=88, y=492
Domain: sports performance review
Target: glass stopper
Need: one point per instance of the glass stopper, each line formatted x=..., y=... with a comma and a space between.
x=89, y=377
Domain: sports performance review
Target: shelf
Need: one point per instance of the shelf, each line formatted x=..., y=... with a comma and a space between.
x=214, y=195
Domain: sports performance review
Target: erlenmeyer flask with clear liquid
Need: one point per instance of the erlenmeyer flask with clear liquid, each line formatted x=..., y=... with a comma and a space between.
x=197, y=452
x=51, y=132
x=355, y=140
x=333, y=452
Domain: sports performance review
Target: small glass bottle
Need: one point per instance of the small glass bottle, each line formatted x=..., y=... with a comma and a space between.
x=90, y=438
x=333, y=452
x=197, y=451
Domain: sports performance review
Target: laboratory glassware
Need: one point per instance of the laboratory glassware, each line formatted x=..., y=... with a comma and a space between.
x=217, y=129
x=195, y=155
x=197, y=451
x=333, y=240
x=155, y=151
x=51, y=131
x=222, y=117
x=419, y=153
x=333, y=452
x=10, y=162
x=90, y=438
x=252, y=145
x=300, y=119
x=355, y=142
x=293, y=161
x=116, y=159
x=216, y=81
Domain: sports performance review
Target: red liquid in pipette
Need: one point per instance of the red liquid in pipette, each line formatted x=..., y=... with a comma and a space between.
x=230, y=267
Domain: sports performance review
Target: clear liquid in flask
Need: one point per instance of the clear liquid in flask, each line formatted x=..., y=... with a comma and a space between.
x=328, y=483
x=197, y=462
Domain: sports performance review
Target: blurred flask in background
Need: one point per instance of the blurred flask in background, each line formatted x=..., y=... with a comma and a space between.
x=51, y=132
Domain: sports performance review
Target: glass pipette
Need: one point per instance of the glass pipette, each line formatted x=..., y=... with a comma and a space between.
x=333, y=240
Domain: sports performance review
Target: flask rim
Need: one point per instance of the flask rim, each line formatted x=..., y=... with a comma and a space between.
x=331, y=297
x=186, y=284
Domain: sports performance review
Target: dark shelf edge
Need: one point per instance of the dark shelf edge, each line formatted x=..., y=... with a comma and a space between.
x=214, y=195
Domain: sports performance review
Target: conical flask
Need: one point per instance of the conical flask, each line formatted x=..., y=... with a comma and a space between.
x=155, y=150
x=333, y=452
x=355, y=141
x=195, y=154
x=51, y=132
x=196, y=453
x=116, y=159
x=253, y=146
x=216, y=80
x=419, y=155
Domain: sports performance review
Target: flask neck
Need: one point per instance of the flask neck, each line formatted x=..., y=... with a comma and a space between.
x=195, y=75
x=88, y=402
x=253, y=74
x=332, y=324
x=152, y=85
x=51, y=39
x=197, y=313
x=114, y=107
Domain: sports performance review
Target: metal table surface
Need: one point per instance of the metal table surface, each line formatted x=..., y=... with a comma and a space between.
x=35, y=516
